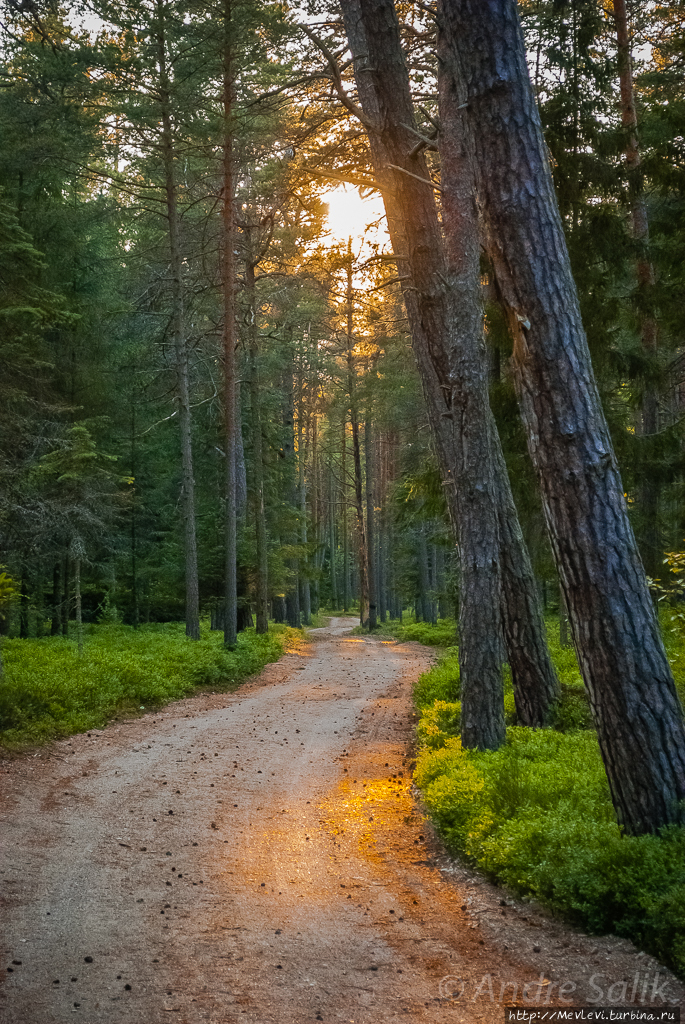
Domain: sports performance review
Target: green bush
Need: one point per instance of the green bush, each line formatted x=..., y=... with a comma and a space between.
x=444, y=634
x=441, y=682
x=49, y=691
x=537, y=815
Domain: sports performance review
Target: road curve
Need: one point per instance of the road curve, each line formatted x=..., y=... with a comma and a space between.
x=259, y=857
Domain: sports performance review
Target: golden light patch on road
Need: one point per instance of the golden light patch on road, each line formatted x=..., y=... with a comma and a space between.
x=360, y=810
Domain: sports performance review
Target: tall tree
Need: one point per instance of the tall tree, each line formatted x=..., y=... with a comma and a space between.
x=229, y=338
x=651, y=547
x=402, y=172
x=635, y=706
x=169, y=157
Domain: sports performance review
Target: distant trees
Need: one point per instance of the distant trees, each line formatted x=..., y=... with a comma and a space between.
x=167, y=297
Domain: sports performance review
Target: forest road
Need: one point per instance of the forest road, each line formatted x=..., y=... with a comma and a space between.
x=258, y=857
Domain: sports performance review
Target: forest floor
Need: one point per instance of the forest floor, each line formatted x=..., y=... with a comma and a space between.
x=307, y=887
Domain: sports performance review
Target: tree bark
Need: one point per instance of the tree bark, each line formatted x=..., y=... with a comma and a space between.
x=615, y=630
x=192, y=610
x=231, y=425
x=262, y=584
x=66, y=596
x=370, y=525
x=356, y=452
x=480, y=669
x=648, y=533
x=292, y=598
x=56, y=619
x=345, y=529
x=135, y=614
x=305, y=593
x=383, y=87
x=332, y=540
x=77, y=602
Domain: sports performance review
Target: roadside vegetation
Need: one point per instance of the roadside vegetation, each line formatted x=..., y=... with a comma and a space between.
x=536, y=815
x=49, y=691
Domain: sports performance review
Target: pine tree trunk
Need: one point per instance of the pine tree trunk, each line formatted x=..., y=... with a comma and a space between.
x=383, y=87
x=534, y=678
x=77, y=603
x=23, y=607
x=305, y=593
x=356, y=453
x=261, y=585
x=332, y=546
x=135, y=596
x=231, y=425
x=292, y=599
x=648, y=534
x=423, y=600
x=55, y=620
x=345, y=529
x=192, y=610
x=564, y=638
x=370, y=526
x=477, y=497
x=382, y=518
x=66, y=596
x=615, y=630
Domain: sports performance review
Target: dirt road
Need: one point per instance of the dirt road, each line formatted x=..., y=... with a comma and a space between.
x=258, y=857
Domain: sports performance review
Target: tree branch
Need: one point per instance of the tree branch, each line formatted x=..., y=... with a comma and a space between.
x=336, y=76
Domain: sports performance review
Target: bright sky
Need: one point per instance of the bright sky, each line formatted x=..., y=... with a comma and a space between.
x=349, y=215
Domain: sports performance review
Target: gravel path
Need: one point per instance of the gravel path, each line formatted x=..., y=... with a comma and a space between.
x=259, y=857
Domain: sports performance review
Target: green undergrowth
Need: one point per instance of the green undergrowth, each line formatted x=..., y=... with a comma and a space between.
x=537, y=816
x=441, y=635
x=49, y=691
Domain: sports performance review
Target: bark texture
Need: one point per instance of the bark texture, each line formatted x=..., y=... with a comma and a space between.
x=231, y=423
x=192, y=610
x=383, y=87
x=261, y=543
x=356, y=449
x=371, y=524
x=615, y=630
x=648, y=534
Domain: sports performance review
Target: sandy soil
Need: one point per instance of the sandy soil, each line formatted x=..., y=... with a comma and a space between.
x=306, y=887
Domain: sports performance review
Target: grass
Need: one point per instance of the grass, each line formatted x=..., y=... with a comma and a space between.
x=48, y=691
x=537, y=816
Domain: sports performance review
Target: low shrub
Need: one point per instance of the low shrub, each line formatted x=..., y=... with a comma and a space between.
x=441, y=682
x=536, y=816
x=49, y=691
x=444, y=634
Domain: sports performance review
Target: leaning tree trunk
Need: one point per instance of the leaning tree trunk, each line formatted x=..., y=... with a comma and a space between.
x=383, y=86
x=536, y=686
x=231, y=424
x=648, y=533
x=180, y=344
x=615, y=629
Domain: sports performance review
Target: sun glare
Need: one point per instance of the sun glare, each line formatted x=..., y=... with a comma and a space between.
x=349, y=216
